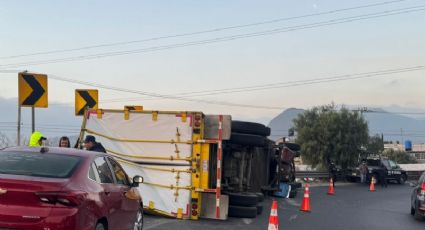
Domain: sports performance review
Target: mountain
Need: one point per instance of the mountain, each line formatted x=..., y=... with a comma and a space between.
x=59, y=120
x=281, y=124
x=394, y=127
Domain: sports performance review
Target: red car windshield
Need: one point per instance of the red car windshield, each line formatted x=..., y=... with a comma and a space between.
x=38, y=164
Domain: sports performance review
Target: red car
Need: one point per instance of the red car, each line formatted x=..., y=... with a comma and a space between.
x=417, y=208
x=60, y=188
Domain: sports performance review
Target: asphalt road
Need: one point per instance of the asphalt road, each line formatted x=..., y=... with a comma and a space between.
x=352, y=207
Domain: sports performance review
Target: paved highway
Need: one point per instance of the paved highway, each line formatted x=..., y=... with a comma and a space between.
x=353, y=207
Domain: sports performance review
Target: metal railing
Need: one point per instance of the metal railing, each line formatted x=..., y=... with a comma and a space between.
x=311, y=174
x=411, y=175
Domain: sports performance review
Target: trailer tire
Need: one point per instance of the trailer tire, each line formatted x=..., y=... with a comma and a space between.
x=247, y=139
x=243, y=199
x=260, y=196
x=250, y=128
x=242, y=212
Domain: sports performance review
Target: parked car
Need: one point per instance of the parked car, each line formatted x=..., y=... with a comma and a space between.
x=417, y=208
x=62, y=188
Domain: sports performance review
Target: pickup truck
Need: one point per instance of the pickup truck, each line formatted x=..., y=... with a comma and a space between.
x=374, y=165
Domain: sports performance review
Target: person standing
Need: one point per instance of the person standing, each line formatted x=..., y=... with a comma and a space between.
x=64, y=142
x=383, y=176
x=91, y=145
x=332, y=172
x=363, y=172
x=37, y=139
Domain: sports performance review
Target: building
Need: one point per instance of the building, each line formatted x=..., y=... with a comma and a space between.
x=418, y=150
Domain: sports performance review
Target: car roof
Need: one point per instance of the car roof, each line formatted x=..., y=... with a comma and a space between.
x=56, y=150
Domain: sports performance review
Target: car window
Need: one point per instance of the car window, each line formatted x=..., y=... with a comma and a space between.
x=104, y=171
x=120, y=175
x=91, y=172
x=393, y=164
x=371, y=162
x=386, y=164
x=38, y=165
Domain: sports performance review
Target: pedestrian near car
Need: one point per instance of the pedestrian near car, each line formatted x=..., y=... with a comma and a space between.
x=37, y=139
x=383, y=177
x=332, y=172
x=91, y=145
x=363, y=172
x=64, y=142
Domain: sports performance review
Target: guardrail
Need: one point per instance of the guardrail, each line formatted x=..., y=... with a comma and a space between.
x=411, y=175
x=414, y=175
x=311, y=174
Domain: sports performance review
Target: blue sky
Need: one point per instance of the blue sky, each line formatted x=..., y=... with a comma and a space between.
x=361, y=46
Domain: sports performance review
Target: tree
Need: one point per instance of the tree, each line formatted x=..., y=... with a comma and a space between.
x=400, y=157
x=328, y=135
x=375, y=145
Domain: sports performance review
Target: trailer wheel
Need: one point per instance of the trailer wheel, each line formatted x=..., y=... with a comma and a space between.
x=250, y=128
x=260, y=196
x=247, y=139
x=242, y=199
x=242, y=212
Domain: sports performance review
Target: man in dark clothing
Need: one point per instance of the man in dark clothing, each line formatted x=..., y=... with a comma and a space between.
x=91, y=145
x=332, y=172
x=383, y=177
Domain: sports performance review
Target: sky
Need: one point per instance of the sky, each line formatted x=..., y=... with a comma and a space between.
x=352, y=47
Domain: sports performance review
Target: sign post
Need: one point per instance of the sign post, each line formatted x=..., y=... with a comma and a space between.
x=32, y=93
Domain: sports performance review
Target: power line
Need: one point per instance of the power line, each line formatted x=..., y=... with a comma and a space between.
x=202, y=31
x=278, y=85
x=226, y=38
x=314, y=81
x=160, y=95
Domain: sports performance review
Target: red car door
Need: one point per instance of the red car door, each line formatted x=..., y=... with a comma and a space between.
x=130, y=200
x=112, y=195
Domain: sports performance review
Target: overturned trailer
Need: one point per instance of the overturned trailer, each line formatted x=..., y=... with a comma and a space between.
x=193, y=164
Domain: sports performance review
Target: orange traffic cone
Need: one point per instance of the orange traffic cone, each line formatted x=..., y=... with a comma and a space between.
x=331, y=190
x=305, y=206
x=273, y=220
x=372, y=184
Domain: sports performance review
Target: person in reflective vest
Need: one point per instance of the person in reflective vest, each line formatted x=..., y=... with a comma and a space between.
x=37, y=139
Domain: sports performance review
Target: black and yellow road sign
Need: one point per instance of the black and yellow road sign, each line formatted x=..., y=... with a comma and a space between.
x=32, y=90
x=85, y=98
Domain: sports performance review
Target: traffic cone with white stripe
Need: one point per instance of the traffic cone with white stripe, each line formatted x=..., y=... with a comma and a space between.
x=331, y=190
x=273, y=219
x=372, y=184
x=305, y=206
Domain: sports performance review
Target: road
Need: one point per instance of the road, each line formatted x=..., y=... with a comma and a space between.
x=353, y=207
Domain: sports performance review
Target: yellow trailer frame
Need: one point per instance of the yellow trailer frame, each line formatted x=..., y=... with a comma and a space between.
x=199, y=159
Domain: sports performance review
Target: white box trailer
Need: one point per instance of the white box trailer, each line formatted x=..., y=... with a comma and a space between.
x=171, y=150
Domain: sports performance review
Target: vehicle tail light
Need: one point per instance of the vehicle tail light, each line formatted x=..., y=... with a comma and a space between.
x=74, y=198
x=194, y=206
